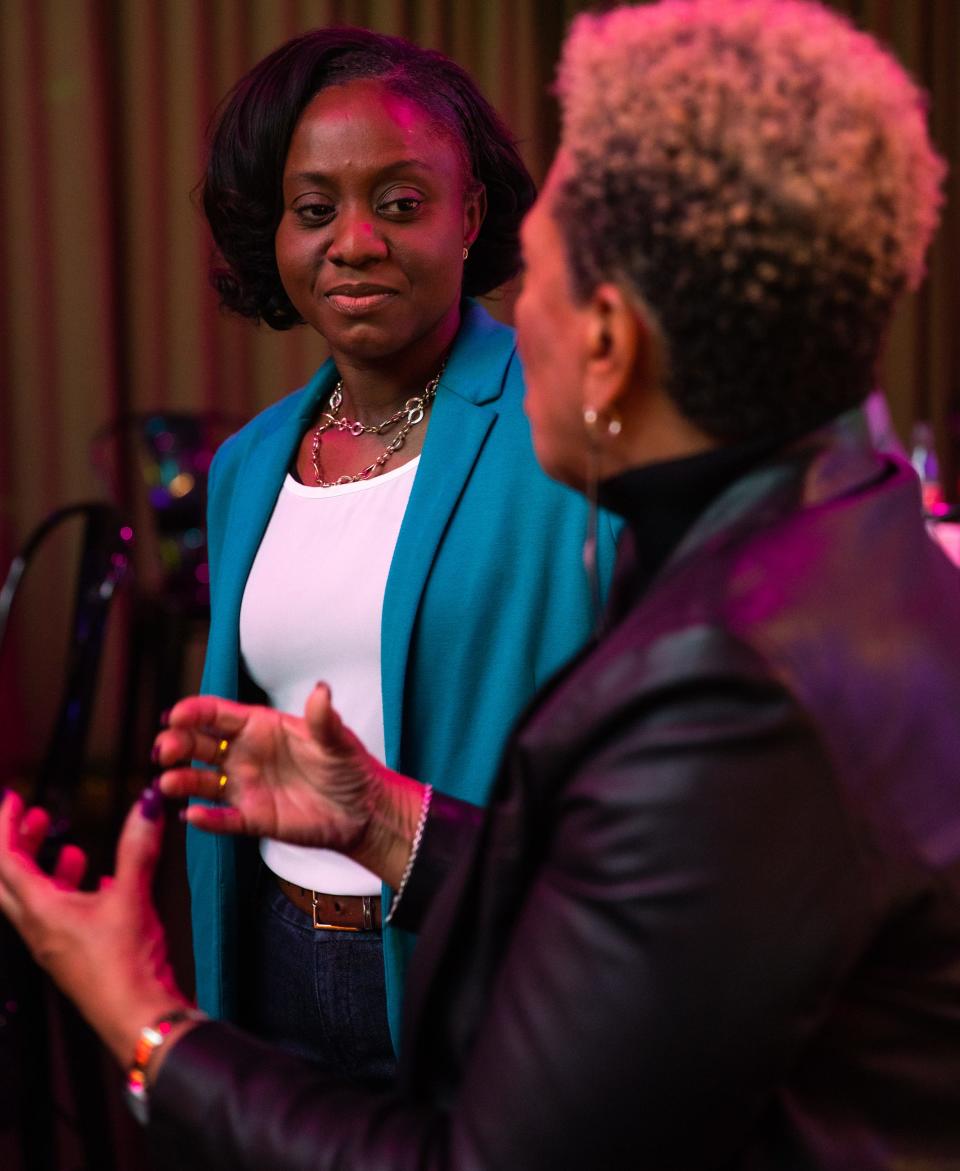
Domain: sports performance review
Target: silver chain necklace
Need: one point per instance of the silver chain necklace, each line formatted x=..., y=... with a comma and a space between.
x=409, y=415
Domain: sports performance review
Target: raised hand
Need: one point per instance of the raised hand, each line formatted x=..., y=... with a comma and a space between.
x=105, y=949
x=306, y=780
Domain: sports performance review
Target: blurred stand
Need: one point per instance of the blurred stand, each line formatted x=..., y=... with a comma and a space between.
x=156, y=464
x=82, y=747
x=35, y=1022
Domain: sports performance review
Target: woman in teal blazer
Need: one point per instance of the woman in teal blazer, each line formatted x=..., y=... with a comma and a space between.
x=486, y=597
x=371, y=232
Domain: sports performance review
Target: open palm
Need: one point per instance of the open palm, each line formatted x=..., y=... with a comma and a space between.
x=306, y=780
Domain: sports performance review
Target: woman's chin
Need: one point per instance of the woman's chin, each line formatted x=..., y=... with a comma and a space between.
x=560, y=469
x=373, y=338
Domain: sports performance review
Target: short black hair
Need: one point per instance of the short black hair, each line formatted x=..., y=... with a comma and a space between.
x=243, y=189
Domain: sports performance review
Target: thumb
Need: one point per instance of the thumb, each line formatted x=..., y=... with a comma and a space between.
x=324, y=723
x=140, y=839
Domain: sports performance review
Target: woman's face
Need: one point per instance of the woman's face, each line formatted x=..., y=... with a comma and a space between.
x=377, y=212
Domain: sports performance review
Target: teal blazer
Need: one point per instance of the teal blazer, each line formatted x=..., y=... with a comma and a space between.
x=486, y=597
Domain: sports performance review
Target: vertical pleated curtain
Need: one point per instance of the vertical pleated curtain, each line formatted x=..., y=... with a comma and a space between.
x=104, y=304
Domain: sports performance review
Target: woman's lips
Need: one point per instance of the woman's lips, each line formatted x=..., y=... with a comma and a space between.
x=359, y=303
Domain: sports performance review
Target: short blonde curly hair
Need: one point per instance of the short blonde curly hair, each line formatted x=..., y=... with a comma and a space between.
x=761, y=173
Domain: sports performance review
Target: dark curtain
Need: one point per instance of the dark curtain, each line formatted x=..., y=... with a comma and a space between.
x=105, y=306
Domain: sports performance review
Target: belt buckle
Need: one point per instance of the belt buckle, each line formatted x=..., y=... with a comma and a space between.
x=318, y=926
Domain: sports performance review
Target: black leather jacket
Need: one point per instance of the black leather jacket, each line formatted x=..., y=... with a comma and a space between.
x=712, y=919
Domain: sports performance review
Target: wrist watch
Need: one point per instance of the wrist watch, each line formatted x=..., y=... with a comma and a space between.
x=151, y=1038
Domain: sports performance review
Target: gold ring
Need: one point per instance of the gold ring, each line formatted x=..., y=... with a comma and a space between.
x=221, y=751
x=222, y=784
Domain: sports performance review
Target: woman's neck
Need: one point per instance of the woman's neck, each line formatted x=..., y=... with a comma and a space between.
x=373, y=389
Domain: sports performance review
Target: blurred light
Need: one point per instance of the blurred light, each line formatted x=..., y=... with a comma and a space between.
x=170, y=553
x=126, y=533
x=181, y=484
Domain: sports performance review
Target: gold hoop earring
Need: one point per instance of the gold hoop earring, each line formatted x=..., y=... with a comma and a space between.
x=466, y=253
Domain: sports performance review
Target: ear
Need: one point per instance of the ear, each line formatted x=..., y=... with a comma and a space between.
x=621, y=355
x=474, y=213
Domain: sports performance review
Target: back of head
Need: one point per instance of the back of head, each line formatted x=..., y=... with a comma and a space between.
x=242, y=191
x=760, y=174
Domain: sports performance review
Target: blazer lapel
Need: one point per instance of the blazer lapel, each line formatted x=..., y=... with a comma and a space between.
x=462, y=415
x=454, y=440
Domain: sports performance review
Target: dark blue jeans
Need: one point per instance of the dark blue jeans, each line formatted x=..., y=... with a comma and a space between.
x=320, y=994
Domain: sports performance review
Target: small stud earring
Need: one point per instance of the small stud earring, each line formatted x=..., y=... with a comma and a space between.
x=466, y=253
x=614, y=426
x=590, y=417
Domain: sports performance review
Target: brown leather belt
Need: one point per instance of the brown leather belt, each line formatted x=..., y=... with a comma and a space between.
x=334, y=912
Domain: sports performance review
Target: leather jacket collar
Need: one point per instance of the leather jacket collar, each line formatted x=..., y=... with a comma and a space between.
x=675, y=508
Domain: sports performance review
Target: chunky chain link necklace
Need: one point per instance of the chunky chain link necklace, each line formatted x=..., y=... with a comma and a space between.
x=409, y=415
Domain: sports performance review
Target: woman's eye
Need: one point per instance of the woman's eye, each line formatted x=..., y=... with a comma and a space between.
x=400, y=205
x=315, y=212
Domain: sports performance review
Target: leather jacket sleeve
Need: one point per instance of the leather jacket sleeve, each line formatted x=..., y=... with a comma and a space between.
x=449, y=833
x=663, y=970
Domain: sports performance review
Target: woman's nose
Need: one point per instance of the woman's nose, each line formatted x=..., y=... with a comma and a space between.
x=356, y=240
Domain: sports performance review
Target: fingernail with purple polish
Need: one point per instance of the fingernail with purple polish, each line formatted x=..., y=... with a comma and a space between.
x=151, y=803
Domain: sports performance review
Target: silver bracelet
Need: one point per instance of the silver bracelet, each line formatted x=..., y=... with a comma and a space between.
x=414, y=848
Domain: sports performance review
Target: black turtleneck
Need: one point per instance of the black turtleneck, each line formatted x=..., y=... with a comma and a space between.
x=661, y=501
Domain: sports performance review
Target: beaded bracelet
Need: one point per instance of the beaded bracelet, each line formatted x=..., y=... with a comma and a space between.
x=414, y=848
x=149, y=1041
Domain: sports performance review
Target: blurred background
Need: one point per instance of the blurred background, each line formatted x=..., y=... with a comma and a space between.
x=119, y=375
x=106, y=311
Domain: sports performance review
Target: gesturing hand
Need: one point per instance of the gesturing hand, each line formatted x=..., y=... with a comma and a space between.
x=305, y=780
x=106, y=949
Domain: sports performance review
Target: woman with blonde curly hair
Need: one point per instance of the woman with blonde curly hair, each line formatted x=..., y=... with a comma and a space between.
x=711, y=918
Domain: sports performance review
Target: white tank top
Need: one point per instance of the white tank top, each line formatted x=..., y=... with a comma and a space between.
x=312, y=610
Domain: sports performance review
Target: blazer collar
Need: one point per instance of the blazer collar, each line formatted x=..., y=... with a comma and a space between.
x=483, y=347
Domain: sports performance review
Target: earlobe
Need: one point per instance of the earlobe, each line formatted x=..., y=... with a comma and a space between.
x=612, y=341
x=474, y=213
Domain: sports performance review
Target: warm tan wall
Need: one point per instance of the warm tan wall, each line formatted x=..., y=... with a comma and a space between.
x=103, y=296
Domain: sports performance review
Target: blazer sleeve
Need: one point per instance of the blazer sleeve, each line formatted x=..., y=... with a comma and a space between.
x=699, y=898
